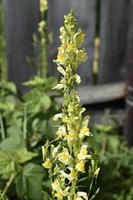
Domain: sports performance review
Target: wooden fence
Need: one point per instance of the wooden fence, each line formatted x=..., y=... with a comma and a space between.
x=109, y=20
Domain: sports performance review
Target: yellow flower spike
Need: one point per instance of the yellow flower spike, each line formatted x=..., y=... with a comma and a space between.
x=47, y=164
x=72, y=154
x=80, y=166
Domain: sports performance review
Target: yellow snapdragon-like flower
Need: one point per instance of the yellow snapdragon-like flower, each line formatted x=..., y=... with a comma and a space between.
x=70, y=137
x=79, y=38
x=84, y=132
x=59, y=193
x=62, y=193
x=64, y=157
x=56, y=185
x=61, y=132
x=83, y=154
x=71, y=176
x=81, y=196
x=80, y=166
x=54, y=151
x=47, y=164
x=81, y=56
x=57, y=117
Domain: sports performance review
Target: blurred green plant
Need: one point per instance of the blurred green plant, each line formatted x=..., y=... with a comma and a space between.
x=116, y=162
x=24, y=125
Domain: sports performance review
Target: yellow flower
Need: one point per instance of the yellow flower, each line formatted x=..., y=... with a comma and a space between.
x=81, y=196
x=61, y=58
x=60, y=194
x=71, y=176
x=84, y=132
x=47, y=164
x=41, y=26
x=56, y=185
x=71, y=137
x=61, y=132
x=64, y=157
x=81, y=56
x=79, y=38
x=83, y=153
x=80, y=166
x=57, y=117
x=43, y=5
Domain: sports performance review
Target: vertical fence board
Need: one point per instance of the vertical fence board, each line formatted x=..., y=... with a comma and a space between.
x=21, y=18
x=86, y=13
x=113, y=33
x=129, y=100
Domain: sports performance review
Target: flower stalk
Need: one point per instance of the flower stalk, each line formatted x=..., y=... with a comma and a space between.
x=69, y=157
x=40, y=40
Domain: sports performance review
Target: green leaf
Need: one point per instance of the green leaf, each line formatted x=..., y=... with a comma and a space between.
x=9, y=86
x=7, y=164
x=15, y=139
x=36, y=82
x=29, y=183
x=37, y=102
x=22, y=155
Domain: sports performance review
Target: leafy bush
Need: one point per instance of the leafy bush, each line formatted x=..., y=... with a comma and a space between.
x=116, y=163
x=25, y=123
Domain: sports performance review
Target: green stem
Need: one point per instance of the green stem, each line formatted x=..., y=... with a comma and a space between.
x=2, y=127
x=8, y=184
x=25, y=124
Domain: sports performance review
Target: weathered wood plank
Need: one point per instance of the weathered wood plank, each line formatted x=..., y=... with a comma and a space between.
x=86, y=13
x=129, y=99
x=21, y=19
x=113, y=33
x=100, y=93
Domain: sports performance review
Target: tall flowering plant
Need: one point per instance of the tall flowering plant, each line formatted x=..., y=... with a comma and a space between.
x=68, y=157
x=40, y=42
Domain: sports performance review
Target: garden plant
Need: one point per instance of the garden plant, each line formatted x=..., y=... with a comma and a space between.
x=68, y=159
x=70, y=162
